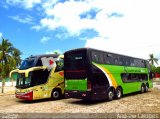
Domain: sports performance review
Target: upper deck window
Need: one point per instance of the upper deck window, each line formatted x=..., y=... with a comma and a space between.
x=27, y=63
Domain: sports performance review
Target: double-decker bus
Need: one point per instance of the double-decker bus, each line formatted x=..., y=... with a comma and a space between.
x=39, y=77
x=92, y=74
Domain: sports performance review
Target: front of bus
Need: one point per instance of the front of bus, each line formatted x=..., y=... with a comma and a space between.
x=27, y=75
x=76, y=70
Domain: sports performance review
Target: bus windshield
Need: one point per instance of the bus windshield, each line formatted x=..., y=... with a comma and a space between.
x=36, y=77
x=22, y=81
x=27, y=63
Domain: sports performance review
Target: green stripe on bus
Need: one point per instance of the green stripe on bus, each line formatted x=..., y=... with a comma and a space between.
x=72, y=84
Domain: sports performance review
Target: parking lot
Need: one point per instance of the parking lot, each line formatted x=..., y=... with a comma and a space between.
x=133, y=103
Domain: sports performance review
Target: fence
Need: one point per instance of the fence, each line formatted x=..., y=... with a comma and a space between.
x=8, y=83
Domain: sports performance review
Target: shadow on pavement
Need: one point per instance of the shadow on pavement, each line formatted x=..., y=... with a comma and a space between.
x=36, y=101
x=92, y=102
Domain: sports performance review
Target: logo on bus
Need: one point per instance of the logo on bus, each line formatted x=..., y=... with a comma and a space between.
x=48, y=62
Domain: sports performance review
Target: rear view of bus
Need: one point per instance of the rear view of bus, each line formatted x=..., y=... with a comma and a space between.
x=76, y=66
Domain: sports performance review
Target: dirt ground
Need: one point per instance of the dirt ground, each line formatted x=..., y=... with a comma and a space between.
x=133, y=103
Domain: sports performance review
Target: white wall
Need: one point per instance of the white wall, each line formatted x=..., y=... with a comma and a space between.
x=8, y=84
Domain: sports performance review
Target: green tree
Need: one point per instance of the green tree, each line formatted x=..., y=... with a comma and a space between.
x=16, y=56
x=9, y=59
x=157, y=70
x=152, y=59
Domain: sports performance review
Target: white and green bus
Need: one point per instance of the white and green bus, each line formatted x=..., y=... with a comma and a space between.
x=96, y=75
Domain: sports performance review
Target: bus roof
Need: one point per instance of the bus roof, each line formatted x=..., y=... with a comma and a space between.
x=93, y=49
x=44, y=55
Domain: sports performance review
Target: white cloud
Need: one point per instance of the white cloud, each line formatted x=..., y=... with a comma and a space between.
x=5, y=6
x=1, y=35
x=135, y=34
x=67, y=15
x=52, y=52
x=132, y=26
x=45, y=39
x=36, y=27
x=27, y=19
x=131, y=48
x=27, y=4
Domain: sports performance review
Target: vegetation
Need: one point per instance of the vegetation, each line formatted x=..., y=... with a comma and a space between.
x=152, y=59
x=9, y=59
x=157, y=70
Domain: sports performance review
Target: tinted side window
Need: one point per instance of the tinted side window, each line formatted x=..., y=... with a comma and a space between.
x=129, y=77
x=144, y=64
x=144, y=76
x=132, y=62
x=138, y=63
x=39, y=62
x=39, y=77
x=127, y=61
x=108, y=58
x=118, y=60
x=97, y=57
x=60, y=65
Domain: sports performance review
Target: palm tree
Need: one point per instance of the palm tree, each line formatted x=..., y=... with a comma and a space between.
x=16, y=56
x=5, y=59
x=152, y=59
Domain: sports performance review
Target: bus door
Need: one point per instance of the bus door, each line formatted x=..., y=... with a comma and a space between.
x=56, y=77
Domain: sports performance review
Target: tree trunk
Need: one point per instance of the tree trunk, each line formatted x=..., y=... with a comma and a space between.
x=3, y=84
x=12, y=81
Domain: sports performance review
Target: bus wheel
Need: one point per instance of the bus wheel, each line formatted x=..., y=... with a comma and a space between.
x=118, y=93
x=146, y=88
x=142, y=88
x=55, y=94
x=110, y=95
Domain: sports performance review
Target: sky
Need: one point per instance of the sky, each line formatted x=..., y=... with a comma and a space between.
x=129, y=27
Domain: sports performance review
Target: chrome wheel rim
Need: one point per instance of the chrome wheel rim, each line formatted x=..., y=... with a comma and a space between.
x=142, y=89
x=118, y=93
x=55, y=94
x=110, y=95
x=146, y=88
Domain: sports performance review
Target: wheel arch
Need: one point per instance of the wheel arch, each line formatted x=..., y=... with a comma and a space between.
x=143, y=84
x=120, y=88
x=147, y=84
x=111, y=88
x=56, y=88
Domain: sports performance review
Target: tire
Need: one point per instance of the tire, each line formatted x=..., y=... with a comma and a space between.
x=110, y=95
x=118, y=93
x=55, y=94
x=142, y=88
x=146, y=88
